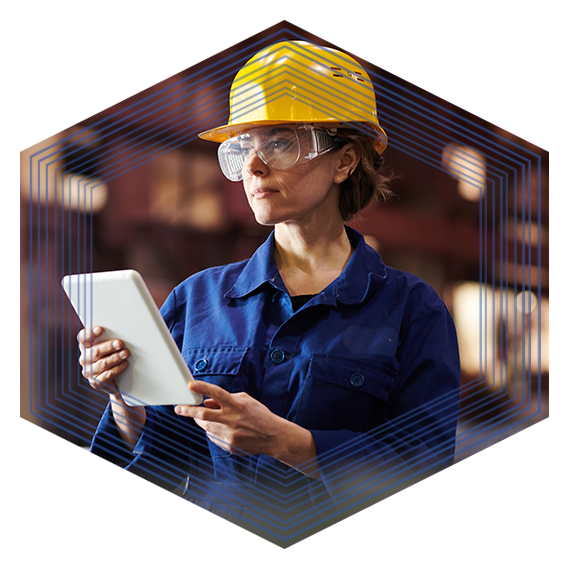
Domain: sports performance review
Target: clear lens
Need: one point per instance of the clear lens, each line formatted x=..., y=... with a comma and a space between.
x=278, y=147
x=231, y=160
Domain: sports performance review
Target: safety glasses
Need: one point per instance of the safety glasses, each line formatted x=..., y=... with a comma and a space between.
x=279, y=147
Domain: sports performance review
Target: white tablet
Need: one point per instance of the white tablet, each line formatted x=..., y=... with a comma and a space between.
x=120, y=302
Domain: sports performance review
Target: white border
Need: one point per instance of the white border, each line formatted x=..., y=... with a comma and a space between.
x=225, y=10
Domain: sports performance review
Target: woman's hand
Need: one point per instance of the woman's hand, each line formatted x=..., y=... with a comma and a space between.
x=235, y=422
x=238, y=423
x=101, y=362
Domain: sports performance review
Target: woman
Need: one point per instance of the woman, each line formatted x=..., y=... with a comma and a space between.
x=329, y=378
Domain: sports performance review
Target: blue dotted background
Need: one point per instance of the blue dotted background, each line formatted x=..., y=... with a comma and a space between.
x=396, y=518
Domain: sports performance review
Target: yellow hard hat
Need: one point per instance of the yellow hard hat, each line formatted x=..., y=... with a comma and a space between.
x=300, y=82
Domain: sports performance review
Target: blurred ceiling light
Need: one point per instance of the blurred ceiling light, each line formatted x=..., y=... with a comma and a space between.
x=477, y=309
x=467, y=166
x=467, y=314
x=490, y=330
x=528, y=233
x=528, y=275
x=526, y=302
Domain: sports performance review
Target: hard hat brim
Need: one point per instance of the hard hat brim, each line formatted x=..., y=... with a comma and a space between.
x=222, y=133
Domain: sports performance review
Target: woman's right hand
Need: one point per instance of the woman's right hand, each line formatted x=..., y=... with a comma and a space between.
x=102, y=362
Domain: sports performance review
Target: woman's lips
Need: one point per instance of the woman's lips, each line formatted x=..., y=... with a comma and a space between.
x=262, y=192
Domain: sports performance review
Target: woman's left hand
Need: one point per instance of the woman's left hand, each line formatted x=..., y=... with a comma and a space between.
x=235, y=422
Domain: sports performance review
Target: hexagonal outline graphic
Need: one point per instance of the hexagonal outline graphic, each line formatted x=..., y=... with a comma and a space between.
x=401, y=145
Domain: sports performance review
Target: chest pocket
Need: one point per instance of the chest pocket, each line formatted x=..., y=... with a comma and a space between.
x=343, y=393
x=221, y=366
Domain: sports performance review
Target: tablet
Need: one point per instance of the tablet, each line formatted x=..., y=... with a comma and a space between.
x=120, y=302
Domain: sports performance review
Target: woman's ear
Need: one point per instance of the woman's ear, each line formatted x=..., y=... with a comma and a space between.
x=349, y=157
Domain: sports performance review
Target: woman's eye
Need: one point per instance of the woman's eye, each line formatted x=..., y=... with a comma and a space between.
x=280, y=145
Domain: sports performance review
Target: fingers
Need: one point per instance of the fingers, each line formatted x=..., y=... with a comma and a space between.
x=112, y=347
x=101, y=362
x=217, y=393
x=106, y=380
x=200, y=412
x=110, y=365
x=86, y=337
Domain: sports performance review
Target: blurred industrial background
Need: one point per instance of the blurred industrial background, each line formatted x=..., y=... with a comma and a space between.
x=133, y=187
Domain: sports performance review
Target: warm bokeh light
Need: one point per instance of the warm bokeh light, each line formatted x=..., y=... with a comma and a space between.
x=492, y=333
x=526, y=302
x=468, y=167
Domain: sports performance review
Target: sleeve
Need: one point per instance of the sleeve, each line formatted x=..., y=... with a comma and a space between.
x=162, y=453
x=417, y=436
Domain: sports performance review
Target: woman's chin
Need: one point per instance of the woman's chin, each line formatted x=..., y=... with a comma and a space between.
x=267, y=217
x=265, y=221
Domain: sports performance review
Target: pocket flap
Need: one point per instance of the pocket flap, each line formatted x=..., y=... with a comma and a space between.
x=214, y=360
x=354, y=374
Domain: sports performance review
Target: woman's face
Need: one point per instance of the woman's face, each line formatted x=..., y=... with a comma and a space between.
x=303, y=193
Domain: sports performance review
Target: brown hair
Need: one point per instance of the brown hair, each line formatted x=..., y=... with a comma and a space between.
x=369, y=182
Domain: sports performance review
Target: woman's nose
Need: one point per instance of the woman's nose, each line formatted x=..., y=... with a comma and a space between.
x=255, y=165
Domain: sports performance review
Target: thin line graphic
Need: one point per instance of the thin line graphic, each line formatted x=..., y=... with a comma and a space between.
x=398, y=141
